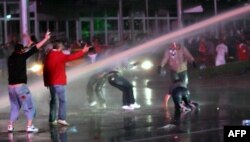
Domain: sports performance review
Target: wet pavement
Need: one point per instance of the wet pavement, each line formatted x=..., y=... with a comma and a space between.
x=223, y=101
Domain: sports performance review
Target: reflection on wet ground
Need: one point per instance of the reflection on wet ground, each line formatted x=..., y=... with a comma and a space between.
x=222, y=102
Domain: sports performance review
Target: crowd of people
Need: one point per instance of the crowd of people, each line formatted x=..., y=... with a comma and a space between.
x=228, y=46
x=58, y=53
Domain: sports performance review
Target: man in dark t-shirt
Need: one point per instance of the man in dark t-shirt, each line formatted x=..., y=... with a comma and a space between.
x=19, y=93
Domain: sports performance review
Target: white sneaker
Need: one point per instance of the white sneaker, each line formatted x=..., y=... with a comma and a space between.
x=135, y=106
x=63, y=122
x=31, y=129
x=10, y=128
x=93, y=103
x=127, y=108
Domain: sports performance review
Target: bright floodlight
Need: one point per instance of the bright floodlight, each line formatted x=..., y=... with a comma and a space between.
x=36, y=67
x=147, y=65
x=8, y=16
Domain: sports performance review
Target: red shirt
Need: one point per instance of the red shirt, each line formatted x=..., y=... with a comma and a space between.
x=242, y=52
x=54, y=72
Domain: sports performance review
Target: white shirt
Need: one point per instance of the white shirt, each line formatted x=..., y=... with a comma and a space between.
x=221, y=51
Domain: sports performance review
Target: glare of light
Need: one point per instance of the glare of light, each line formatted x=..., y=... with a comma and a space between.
x=149, y=129
x=135, y=92
x=134, y=83
x=146, y=82
x=148, y=93
x=36, y=67
x=132, y=62
x=8, y=16
x=133, y=65
x=147, y=65
x=149, y=119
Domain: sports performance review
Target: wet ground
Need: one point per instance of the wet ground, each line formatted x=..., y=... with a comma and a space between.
x=223, y=101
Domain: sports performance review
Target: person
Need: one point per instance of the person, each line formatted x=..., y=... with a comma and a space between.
x=96, y=83
x=19, y=93
x=221, y=53
x=203, y=51
x=97, y=46
x=242, y=51
x=55, y=79
x=92, y=55
x=176, y=57
x=118, y=81
x=95, y=87
x=181, y=97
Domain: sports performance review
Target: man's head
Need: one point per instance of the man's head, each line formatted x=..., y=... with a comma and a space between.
x=19, y=48
x=58, y=45
x=174, y=45
x=33, y=38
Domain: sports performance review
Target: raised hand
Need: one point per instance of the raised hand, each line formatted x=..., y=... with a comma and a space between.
x=86, y=48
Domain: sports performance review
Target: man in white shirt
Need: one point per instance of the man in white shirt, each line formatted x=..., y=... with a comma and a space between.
x=221, y=53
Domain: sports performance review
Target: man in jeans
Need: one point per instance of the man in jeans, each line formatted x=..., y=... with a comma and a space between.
x=19, y=93
x=118, y=81
x=55, y=78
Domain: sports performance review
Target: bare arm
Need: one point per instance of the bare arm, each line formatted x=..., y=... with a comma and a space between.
x=78, y=54
x=46, y=38
x=85, y=48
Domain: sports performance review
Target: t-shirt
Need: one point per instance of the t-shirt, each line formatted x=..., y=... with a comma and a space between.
x=17, y=66
x=221, y=50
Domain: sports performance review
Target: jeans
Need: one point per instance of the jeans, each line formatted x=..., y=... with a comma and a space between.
x=180, y=94
x=21, y=97
x=182, y=76
x=125, y=86
x=57, y=91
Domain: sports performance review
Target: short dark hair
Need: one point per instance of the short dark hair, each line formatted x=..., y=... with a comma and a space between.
x=33, y=38
x=18, y=47
x=56, y=44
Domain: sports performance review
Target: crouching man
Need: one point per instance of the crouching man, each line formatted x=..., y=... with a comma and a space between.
x=181, y=97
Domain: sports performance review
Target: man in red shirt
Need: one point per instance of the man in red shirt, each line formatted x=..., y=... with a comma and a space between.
x=242, y=52
x=55, y=79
